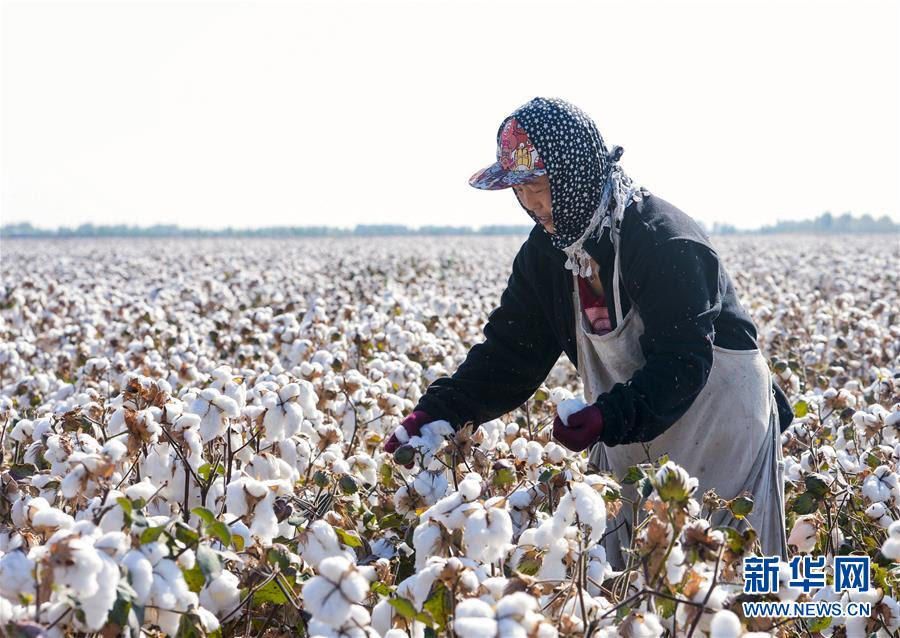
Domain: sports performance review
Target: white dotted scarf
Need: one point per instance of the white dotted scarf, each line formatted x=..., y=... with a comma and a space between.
x=588, y=189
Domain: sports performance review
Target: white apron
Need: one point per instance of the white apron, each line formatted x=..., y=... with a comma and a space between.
x=728, y=439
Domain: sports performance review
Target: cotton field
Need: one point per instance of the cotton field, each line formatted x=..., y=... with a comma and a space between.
x=192, y=430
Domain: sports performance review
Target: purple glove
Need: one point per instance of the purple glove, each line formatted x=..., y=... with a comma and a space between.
x=584, y=429
x=413, y=425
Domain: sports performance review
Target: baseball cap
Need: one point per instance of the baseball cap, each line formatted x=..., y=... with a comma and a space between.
x=517, y=160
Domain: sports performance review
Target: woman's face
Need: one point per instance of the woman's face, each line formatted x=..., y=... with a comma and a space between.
x=535, y=196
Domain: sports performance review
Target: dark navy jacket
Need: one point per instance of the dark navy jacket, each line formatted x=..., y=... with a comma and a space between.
x=680, y=289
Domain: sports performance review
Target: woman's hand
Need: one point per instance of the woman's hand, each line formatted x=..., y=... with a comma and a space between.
x=583, y=430
x=413, y=426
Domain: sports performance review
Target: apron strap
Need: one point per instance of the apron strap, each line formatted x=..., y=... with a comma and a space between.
x=616, y=300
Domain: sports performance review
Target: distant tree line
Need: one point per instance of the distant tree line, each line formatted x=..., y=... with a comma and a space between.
x=25, y=229
x=824, y=223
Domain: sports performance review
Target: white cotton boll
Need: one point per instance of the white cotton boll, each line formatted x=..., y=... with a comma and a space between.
x=221, y=595
x=470, y=487
x=329, y=595
x=725, y=624
x=143, y=490
x=804, y=533
x=74, y=482
x=186, y=559
x=567, y=408
x=877, y=486
x=97, y=606
x=115, y=450
x=552, y=566
x=114, y=543
x=426, y=540
x=891, y=547
x=558, y=395
x=591, y=509
x=431, y=486
x=534, y=453
x=318, y=542
x=16, y=575
x=140, y=574
x=474, y=619
x=265, y=522
x=555, y=453
x=51, y=519
x=675, y=566
x=488, y=530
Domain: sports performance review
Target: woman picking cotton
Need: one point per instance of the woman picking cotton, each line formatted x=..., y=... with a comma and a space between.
x=629, y=287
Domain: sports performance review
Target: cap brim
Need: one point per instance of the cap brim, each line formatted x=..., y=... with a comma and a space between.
x=495, y=177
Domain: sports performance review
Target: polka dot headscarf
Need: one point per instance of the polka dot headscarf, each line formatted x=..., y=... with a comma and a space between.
x=587, y=186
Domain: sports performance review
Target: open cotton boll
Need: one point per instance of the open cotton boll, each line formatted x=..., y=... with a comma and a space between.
x=725, y=624
x=16, y=575
x=891, y=546
x=804, y=533
x=474, y=619
x=221, y=595
x=488, y=531
x=558, y=395
x=567, y=408
x=96, y=606
x=329, y=596
x=213, y=408
x=431, y=486
x=318, y=542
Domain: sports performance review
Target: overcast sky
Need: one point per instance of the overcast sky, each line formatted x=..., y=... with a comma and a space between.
x=248, y=114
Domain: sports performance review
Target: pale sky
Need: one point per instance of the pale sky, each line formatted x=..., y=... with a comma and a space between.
x=250, y=114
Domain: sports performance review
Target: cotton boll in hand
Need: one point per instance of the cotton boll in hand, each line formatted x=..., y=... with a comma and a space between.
x=569, y=407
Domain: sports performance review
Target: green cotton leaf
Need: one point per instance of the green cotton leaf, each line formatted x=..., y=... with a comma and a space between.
x=816, y=485
x=380, y=588
x=438, y=605
x=238, y=542
x=220, y=531
x=118, y=615
x=663, y=459
x=818, y=624
x=351, y=540
x=204, y=515
x=126, y=505
x=190, y=627
x=633, y=475
x=185, y=534
x=194, y=577
x=209, y=562
x=278, y=557
x=801, y=408
x=391, y=521
x=403, y=607
x=529, y=566
x=806, y=503
x=541, y=395
x=270, y=593
x=21, y=471
x=741, y=506
x=502, y=477
x=151, y=534
x=204, y=471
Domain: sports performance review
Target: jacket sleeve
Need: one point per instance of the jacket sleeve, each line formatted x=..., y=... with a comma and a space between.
x=503, y=371
x=676, y=286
